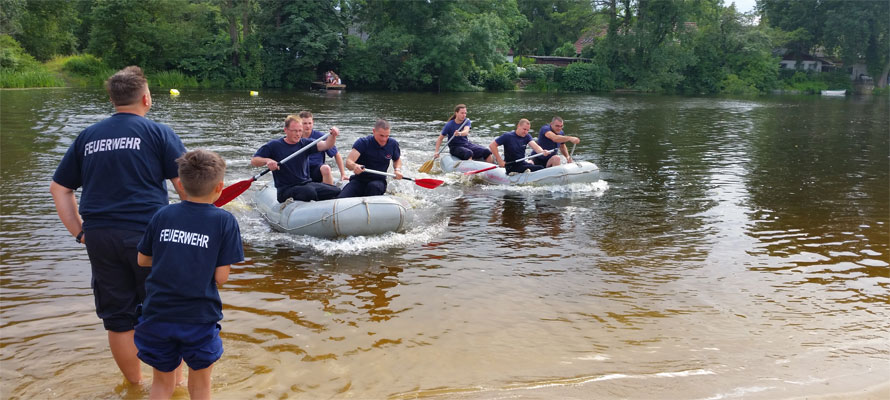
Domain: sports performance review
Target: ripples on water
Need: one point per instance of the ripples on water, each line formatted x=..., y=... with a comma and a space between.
x=734, y=248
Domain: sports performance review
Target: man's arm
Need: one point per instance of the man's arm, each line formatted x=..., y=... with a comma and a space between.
x=351, y=163
x=339, y=159
x=66, y=207
x=264, y=162
x=330, y=141
x=561, y=138
x=143, y=260
x=397, y=167
x=221, y=275
x=534, y=145
x=494, y=151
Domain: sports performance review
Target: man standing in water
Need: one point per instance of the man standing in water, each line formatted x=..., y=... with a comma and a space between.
x=550, y=137
x=121, y=163
x=318, y=170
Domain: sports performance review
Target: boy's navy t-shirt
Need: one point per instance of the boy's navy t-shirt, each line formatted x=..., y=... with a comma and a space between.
x=296, y=170
x=187, y=241
x=122, y=163
x=514, y=145
x=450, y=128
x=374, y=156
x=544, y=141
x=318, y=158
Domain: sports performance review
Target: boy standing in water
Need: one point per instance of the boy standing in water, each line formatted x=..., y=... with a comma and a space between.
x=190, y=246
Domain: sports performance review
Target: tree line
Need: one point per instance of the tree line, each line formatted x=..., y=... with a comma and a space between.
x=678, y=46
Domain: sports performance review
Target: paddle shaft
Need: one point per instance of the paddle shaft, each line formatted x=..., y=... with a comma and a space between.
x=453, y=135
x=374, y=171
x=232, y=191
x=509, y=162
x=425, y=183
x=294, y=154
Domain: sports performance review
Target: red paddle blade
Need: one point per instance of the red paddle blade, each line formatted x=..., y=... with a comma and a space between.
x=481, y=170
x=233, y=191
x=428, y=183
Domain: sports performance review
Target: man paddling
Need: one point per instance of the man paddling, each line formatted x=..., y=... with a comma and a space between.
x=318, y=170
x=550, y=137
x=292, y=178
x=374, y=152
x=514, y=143
x=121, y=163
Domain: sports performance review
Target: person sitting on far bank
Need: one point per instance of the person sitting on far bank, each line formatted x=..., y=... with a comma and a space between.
x=292, y=178
x=514, y=143
x=550, y=137
x=318, y=170
x=373, y=152
x=190, y=247
x=459, y=146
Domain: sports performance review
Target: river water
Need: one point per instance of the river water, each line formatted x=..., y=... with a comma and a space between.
x=733, y=248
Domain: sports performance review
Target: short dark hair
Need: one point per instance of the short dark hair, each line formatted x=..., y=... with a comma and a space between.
x=126, y=86
x=381, y=124
x=305, y=114
x=556, y=119
x=200, y=171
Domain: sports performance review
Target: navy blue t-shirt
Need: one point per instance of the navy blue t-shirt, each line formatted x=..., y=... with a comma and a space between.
x=375, y=156
x=514, y=146
x=544, y=141
x=187, y=241
x=318, y=158
x=450, y=128
x=296, y=170
x=122, y=163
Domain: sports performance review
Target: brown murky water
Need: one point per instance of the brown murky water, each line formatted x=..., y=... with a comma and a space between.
x=733, y=249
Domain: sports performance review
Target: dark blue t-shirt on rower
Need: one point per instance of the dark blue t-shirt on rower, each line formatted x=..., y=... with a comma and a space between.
x=296, y=170
x=187, y=241
x=544, y=141
x=127, y=157
x=318, y=158
x=450, y=128
x=514, y=145
x=374, y=156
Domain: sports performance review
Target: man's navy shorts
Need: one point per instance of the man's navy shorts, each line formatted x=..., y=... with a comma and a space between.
x=315, y=173
x=164, y=345
x=118, y=281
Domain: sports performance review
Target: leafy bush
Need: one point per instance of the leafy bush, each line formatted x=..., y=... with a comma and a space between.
x=501, y=77
x=566, y=50
x=540, y=72
x=38, y=77
x=733, y=85
x=586, y=77
x=523, y=61
x=84, y=65
x=13, y=57
x=172, y=79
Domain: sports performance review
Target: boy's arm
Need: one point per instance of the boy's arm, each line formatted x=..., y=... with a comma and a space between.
x=143, y=260
x=221, y=275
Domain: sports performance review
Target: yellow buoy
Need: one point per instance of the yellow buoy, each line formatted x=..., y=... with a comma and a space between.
x=254, y=93
x=174, y=92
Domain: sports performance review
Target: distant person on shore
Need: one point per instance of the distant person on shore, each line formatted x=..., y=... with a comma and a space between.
x=550, y=137
x=459, y=145
x=122, y=163
x=318, y=170
x=374, y=152
x=292, y=178
x=514, y=143
x=189, y=247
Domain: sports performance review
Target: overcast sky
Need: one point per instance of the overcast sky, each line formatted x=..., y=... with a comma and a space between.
x=742, y=5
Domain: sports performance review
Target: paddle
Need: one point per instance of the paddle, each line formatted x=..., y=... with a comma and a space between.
x=235, y=190
x=426, y=183
x=428, y=166
x=507, y=163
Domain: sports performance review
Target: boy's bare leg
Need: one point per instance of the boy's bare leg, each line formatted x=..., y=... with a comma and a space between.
x=162, y=384
x=123, y=349
x=199, y=383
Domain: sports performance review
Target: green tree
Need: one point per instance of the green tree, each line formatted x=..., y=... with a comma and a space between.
x=552, y=23
x=45, y=28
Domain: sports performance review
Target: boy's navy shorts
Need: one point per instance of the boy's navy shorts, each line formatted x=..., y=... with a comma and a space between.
x=118, y=281
x=164, y=345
